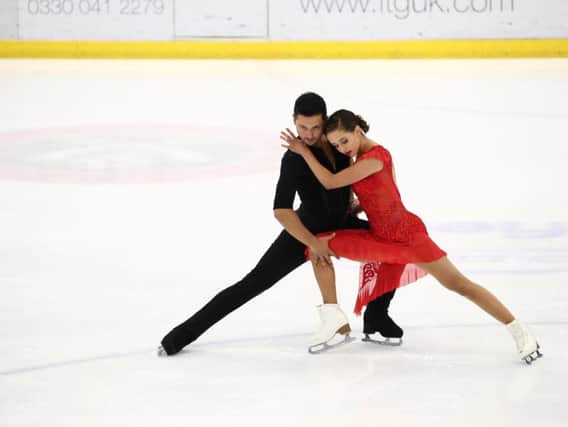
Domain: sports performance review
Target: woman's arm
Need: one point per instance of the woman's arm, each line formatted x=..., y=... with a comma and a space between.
x=329, y=180
x=348, y=176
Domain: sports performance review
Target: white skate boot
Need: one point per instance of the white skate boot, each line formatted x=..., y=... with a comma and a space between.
x=333, y=321
x=526, y=343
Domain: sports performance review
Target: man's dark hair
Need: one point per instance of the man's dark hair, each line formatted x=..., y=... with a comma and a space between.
x=310, y=104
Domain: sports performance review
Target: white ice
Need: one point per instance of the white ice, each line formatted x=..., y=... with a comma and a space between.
x=132, y=192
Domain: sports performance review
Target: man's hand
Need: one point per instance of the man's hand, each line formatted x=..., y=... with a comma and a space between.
x=292, y=143
x=355, y=207
x=320, y=253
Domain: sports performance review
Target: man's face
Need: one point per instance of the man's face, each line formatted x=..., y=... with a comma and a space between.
x=309, y=128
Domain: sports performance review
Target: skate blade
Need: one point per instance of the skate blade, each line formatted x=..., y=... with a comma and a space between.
x=323, y=347
x=160, y=352
x=529, y=359
x=393, y=342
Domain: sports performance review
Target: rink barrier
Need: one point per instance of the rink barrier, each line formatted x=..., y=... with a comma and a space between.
x=539, y=48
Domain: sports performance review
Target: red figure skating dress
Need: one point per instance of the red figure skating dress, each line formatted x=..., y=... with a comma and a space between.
x=396, y=239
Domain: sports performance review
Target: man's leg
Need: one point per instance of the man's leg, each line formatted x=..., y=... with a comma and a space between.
x=283, y=256
x=376, y=317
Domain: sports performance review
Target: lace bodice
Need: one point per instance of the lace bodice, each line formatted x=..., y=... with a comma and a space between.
x=380, y=199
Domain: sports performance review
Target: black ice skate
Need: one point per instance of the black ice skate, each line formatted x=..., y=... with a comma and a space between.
x=378, y=327
x=382, y=330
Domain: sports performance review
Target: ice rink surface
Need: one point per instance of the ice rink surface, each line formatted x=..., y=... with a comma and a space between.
x=132, y=192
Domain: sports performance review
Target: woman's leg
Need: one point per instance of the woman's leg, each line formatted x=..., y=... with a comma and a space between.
x=450, y=277
x=333, y=319
x=325, y=276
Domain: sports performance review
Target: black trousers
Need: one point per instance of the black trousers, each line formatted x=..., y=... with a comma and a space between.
x=282, y=257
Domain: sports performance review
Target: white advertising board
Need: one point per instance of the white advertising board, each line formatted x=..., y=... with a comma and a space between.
x=96, y=19
x=417, y=19
x=8, y=19
x=221, y=18
x=284, y=19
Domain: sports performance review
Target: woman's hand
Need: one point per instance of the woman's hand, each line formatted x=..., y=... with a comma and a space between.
x=292, y=142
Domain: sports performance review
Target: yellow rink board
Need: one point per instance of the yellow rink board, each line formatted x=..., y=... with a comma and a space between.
x=542, y=48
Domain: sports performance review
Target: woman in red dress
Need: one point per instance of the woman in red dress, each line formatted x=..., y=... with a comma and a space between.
x=396, y=248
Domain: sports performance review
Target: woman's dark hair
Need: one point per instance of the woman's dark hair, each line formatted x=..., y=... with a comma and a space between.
x=310, y=104
x=345, y=120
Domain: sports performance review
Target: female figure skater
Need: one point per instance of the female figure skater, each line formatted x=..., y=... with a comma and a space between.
x=397, y=242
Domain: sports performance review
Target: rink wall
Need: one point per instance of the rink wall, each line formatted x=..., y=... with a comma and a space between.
x=283, y=28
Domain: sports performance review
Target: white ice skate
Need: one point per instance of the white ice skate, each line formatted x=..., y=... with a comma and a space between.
x=333, y=321
x=526, y=343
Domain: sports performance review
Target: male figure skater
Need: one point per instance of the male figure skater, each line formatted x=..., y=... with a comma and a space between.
x=320, y=211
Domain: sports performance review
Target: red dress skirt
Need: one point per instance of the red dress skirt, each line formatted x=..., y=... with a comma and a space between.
x=397, y=239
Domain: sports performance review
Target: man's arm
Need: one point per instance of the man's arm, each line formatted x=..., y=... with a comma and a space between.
x=291, y=172
x=319, y=248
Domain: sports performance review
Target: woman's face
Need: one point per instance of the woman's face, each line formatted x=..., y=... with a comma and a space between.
x=345, y=142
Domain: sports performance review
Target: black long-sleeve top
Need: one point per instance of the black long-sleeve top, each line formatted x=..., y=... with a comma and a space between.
x=320, y=209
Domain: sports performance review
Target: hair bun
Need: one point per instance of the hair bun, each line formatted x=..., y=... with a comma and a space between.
x=345, y=120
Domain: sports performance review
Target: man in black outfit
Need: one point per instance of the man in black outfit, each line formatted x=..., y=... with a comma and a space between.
x=321, y=210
